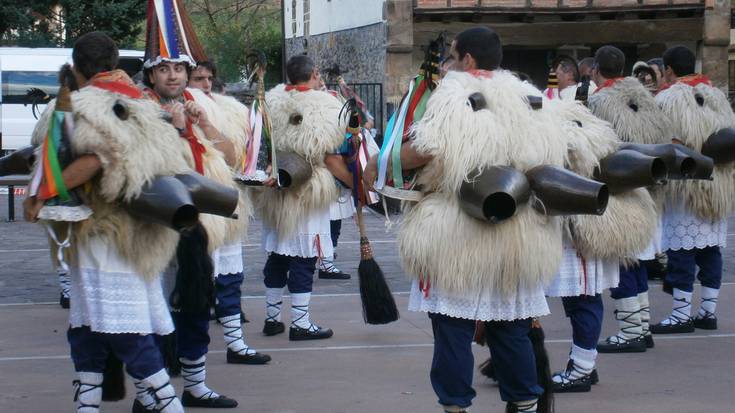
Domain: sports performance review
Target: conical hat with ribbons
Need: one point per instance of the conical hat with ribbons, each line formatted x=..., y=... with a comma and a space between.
x=170, y=35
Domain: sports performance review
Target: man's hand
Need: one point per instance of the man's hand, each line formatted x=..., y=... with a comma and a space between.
x=196, y=114
x=370, y=174
x=31, y=207
x=178, y=116
x=271, y=182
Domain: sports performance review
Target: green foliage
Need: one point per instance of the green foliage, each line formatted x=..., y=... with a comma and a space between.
x=120, y=19
x=34, y=23
x=229, y=29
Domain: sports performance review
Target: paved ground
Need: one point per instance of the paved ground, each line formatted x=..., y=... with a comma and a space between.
x=363, y=369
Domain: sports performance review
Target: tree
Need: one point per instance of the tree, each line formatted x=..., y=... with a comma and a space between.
x=228, y=29
x=61, y=22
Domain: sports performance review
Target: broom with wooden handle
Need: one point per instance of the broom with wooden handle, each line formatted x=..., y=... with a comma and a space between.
x=378, y=305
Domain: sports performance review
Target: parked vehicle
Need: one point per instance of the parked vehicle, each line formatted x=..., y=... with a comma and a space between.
x=28, y=81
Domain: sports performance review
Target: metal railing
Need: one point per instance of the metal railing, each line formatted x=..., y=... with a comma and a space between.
x=372, y=95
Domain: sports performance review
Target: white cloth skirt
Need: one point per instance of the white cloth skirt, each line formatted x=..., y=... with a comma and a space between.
x=582, y=276
x=480, y=305
x=312, y=238
x=110, y=297
x=343, y=207
x=228, y=260
x=683, y=230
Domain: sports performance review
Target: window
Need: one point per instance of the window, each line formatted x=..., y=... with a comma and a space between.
x=731, y=78
x=306, y=17
x=28, y=87
x=293, y=17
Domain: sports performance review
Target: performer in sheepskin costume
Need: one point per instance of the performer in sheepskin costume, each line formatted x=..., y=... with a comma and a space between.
x=305, y=124
x=593, y=245
x=231, y=118
x=635, y=117
x=479, y=117
x=696, y=212
x=119, y=144
x=212, y=133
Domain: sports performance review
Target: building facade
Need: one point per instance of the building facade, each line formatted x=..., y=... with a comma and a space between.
x=386, y=38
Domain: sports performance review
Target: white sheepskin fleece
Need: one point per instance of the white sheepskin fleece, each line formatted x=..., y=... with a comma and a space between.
x=132, y=152
x=506, y=132
x=458, y=253
x=320, y=132
x=440, y=242
x=221, y=230
x=232, y=118
x=614, y=104
x=629, y=222
x=692, y=124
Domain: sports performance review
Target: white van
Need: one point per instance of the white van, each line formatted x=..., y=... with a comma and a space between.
x=28, y=77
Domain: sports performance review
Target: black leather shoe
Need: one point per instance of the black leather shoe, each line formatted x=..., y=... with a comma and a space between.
x=328, y=275
x=580, y=385
x=63, y=301
x=637, y=345
x=139, y=408
x=649, y=341
x=271, y=328
x=706, y=323
x=685, y=327
x=594, y=377
x=237, y=358
x=298, y=333
x=219, y=402
x=562, y=383
x=243, y=319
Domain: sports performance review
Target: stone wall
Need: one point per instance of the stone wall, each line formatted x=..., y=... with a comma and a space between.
x=360, y=51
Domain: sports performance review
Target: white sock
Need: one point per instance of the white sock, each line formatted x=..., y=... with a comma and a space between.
x=327, y=265
x=300, y=311
x=163, y=392
x=528, y=406
x=194, y=373
x=64, y=281
x=584, y=359
x=234, y=339
x=628, y=314
x=273, y=302
x=583, y=362
x=681, y=309
x=88, y=392
x=143, y=394
x=709, y=302
x=645, y=312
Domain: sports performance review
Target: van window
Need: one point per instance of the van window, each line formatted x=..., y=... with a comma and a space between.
x=22, y=87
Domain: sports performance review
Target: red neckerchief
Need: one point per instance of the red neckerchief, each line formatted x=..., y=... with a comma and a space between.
x=481, y=73
x=197, y=149
x=691, y=80
x=608, y=83
x=298, y=88
x=116, y=81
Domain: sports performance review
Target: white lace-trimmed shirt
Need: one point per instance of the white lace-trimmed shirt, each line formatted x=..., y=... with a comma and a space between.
x=582, y=275
x=312, y=238
x=228, y=259
x=685, y=230
x=480, y=305
x=110, y=297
